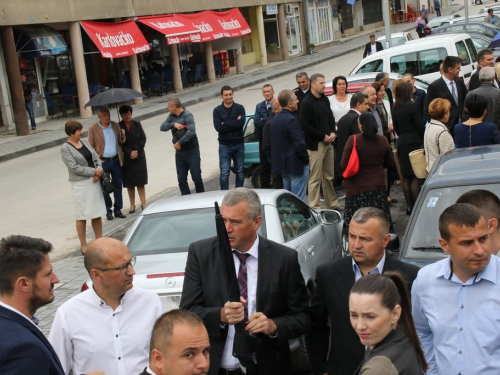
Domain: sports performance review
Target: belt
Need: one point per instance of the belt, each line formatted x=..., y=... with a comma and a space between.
x=111, y=158
x=223, y=371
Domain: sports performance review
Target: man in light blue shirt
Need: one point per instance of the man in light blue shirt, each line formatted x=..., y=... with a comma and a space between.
x=456, y=301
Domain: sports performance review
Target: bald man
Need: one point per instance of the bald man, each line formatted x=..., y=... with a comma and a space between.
x=107, y=327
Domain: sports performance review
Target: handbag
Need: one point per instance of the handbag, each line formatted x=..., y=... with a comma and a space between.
x=107, y=183
x=418, y=163
x=352, y=168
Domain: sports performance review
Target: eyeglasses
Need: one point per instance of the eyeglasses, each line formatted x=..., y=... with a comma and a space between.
x=123, y=268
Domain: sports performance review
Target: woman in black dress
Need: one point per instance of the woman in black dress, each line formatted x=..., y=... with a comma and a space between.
x=134, y=170
x=410, y=129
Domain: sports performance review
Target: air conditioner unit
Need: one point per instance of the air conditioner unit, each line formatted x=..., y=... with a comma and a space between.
x=288, y=9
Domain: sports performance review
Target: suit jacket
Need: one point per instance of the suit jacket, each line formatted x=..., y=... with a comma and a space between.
x=281, y=296
x=347, y=126
x=24, y=348
x=135, y=140
x=491, y=93
x=408, y=124
x=266, y=138
x=439, y=89
x=288, y=146
x=334, y=281
x=96, y=139
x=474, y=82
x=262, y=114
x=368, y=48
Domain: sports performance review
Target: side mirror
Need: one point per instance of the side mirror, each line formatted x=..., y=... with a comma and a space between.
x=393, y=244
x=330, y=217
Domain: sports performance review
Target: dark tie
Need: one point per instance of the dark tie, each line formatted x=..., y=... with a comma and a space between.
x=242, y=279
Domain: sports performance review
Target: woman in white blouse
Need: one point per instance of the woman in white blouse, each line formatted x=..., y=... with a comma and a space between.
x=340, y=100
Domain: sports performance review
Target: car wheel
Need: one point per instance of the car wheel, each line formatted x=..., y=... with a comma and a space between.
x=255, y=179
x=300, y=358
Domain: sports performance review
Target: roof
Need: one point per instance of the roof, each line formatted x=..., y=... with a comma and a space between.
x=393, y=35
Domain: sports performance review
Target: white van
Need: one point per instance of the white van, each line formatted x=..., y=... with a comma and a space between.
x=422, y=57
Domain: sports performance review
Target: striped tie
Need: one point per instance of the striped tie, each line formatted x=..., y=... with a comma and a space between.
x=242, y=279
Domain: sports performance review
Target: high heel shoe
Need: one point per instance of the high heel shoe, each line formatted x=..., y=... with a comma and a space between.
x=408, y=211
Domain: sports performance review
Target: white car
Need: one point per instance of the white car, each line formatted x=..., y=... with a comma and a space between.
x=396, y=38
x=441, y=21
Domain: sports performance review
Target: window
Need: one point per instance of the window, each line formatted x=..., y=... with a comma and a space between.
x=325, y=33
x=462, y=52
x=431, y=59
x=295, y=217
x=271, y=30
x=406, y=63
x=372, y=66
x=249, y=131
x=472, y=49
x=246, y=40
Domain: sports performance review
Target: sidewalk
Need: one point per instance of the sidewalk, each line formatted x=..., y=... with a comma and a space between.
x=51, y=133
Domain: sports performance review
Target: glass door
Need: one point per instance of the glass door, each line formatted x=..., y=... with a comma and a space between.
x=293, y=32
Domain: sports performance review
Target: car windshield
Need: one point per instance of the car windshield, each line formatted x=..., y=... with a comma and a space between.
x=424, y=240
x=396, y=41
x=173, y=232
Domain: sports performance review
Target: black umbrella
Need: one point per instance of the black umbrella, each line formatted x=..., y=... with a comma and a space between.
x=114, y=96
x=244, y=344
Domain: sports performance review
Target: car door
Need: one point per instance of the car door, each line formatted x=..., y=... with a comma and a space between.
x=463, y=53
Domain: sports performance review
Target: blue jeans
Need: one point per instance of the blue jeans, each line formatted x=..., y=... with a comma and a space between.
x=31, y=113
x=237, y=154
x=189, y=161
x=113, y=167
x=297, y=184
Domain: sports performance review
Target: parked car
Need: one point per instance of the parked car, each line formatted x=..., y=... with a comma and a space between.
x=441, y=21
x=397, y=38
x=482, y=41
x=479, y=2
x=472, y=18
x=422, y=57
x=496, y=9
x=486, y=29
x=159, y=239
x=454, y=173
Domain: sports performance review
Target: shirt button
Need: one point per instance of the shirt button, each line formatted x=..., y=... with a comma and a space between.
x=116, y=335
x=460, y=307
x=461, y=328
x=460, y=352
x=119, y=357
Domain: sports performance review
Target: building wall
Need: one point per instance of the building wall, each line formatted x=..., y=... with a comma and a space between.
x=253, y=57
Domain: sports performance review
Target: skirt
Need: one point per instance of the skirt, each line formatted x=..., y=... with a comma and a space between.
x=135, y=172
x=89, y=201
x=404, y=159
x=374, y=198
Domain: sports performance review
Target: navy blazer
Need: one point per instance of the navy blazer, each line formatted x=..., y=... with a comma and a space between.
x=262, y=114
x=24, y=348
x=288, y=145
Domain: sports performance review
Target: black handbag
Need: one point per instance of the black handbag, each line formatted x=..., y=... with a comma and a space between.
x=107, y=183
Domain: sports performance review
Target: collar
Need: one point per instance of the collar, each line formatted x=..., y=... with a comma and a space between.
x=149, y=371
x=355, y=110
x=103, y=128
x=379, y=267
x=99, y=301
x=254, y=250
x=439, y=123
x=489, y=273
x=34, y=320
x=446, y=80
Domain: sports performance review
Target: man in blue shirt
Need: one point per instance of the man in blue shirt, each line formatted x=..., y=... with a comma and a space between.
x=437, y=7
x=455, y=302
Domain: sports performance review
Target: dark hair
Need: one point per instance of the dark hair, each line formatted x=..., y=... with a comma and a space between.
x=20, y=256
x=301, y=74
x=163, y=328
x=225, y=88
x=367, y=120
x=285, y=97
x=460, y=215
x=315, y=77
x=404, y=94
x=393, y=290
x=358, y=98
x=72, y=126
x=267, y=85
x=380, y=76
x=484, y=200
x=475, y=104
x=336, y=80
x=377, y=86
x=176, y=102
x=482, y=54
x=125, y=108
x=451, y=62
x=372, y=35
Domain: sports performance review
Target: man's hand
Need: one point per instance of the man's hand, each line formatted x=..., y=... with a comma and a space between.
x=239, y=117
x=122, y=131
x=259, y=323
x=134, y=154
x=390, y=128
x=327, y=139
x=178, y=126
x=333, y=136
x=177, y=146
x=233, y=312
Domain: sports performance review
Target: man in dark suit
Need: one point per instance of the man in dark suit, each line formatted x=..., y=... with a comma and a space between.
x=449, y=87
x=348, y=124
x=484, y=58
x=490, y=92
x=304, y=86
x=268, y=273
x=26, y=284
x=263, y=111
x=175, y=334
x=368, y=237
x=372, y=47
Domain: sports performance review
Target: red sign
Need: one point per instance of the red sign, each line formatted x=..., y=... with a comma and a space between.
x=116, y=39
x=175, y=30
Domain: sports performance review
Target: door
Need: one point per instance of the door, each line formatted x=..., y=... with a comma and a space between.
x=293, y=31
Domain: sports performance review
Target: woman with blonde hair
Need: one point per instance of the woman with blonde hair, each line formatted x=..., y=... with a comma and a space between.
x=437, y=137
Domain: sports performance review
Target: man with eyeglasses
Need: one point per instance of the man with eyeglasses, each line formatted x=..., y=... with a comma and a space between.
x=107, y=327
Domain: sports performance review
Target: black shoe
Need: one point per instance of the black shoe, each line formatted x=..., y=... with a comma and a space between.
x=33, y=128
x=131, y=211
x=109, y=216
x=120, y=215
x=408, y=211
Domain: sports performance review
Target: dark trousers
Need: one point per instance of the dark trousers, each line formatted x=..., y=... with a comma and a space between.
x=189, y=161
x=31, y=112
x=265, y=168
x=236, y=153
x=115, y=170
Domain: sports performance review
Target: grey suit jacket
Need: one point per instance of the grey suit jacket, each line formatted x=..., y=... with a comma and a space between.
x=491, y=93
x=78, y=167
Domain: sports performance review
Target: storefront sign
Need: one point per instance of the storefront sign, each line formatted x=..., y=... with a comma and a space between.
x=176, y=30
x=272, y=9
x=116, y=39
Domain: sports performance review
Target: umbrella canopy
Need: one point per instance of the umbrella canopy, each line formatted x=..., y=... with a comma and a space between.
x=495, y=42
x=244, y=344
x=114, y=96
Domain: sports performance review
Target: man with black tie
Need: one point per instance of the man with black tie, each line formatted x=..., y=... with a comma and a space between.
x=449, y=87
x=368, y=237
x=372, y=47
x=268, y=274
x=484, y=58
x=263, y=111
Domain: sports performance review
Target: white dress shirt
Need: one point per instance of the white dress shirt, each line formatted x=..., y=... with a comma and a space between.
x=228, y=361
x=88, y=335
x=449, y=84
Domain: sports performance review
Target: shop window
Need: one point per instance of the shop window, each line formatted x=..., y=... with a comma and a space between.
x=271, y=31
x=372, y=12
x=246, y=41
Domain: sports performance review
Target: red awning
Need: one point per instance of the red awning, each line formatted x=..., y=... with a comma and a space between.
x=175, y=30
x=116, y=39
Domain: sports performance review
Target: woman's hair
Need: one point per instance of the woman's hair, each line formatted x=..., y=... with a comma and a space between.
x=395, y=85
x=438, y=108
x=475, y=104
x=72, y=126
x=377, y=86
x=336, y=80
x=403, y=94
x=125, y=109
x=369, y=124
x=392, y=289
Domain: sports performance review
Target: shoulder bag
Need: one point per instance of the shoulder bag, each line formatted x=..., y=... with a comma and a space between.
x=353, y=165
